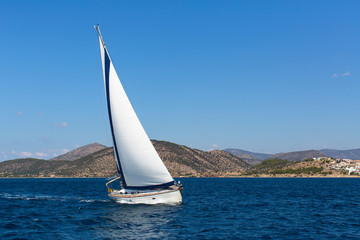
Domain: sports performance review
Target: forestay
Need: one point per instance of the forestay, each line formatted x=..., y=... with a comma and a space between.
x=137, y=160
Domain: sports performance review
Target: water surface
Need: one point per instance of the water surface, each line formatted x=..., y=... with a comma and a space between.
x=214, y=208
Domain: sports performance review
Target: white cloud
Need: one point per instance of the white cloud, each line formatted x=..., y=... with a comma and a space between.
x=346, y=74
x=40, y=154
x=22, y=154
x=60, y=125
x=19, y=113
x=43, y=154
x=214, y=147
x=76, y=146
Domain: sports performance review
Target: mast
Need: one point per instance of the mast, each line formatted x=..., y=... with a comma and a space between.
x=97, y=27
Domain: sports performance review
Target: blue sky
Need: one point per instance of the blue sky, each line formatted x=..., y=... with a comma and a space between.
x=265, y=76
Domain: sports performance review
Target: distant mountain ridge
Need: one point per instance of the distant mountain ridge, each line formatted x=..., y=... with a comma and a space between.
x=249, y=157
x=353, y=154
x=80, y=152
x=261, y=156
x=256, y=158
x=298, y=156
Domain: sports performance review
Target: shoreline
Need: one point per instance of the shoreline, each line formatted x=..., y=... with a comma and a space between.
x=227, y=176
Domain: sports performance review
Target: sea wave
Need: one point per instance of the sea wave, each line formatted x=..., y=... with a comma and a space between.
x=40, y=197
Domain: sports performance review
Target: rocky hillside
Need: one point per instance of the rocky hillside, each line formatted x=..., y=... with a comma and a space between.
x=80, y=152
x=353, y=154
x=180, y=160
x=298, y=156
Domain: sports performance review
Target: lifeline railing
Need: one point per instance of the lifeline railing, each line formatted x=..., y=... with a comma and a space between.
x=112, y=180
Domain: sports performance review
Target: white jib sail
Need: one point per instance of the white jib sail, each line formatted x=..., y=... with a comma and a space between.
x=136, y=158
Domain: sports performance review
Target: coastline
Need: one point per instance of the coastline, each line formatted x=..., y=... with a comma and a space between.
x=214, y=176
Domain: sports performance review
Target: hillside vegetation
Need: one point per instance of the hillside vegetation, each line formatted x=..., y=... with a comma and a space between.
x=284, y=168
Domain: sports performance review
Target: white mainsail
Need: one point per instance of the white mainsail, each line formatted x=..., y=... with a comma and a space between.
x=137, y=160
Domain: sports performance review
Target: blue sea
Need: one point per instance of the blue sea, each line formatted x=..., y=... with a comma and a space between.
x=213, y=208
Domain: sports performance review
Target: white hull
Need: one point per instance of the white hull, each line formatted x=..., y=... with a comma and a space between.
x=153, y=197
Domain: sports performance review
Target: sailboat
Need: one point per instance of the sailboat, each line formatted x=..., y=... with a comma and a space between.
x=143, y=177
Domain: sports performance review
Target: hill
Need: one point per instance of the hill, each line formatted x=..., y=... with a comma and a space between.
x=353, y=154
x=80, y=152
x=28, y=167
x=271, y=164
x=180, y=160
x=308, y=168
x=249, y=157
x=298, y=156
x=95, y=166
x=261, y=156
